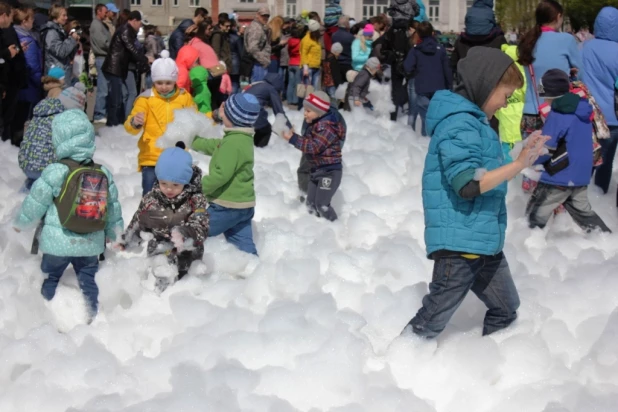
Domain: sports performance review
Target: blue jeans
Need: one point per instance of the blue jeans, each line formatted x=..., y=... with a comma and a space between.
x=129, y=93
x=148, y=179
x=412, y=109
x=274, y=66
x=258, y=73
x=31, y=177
x=313, y=79
x=489, y=278
x=85, y=268
x=603, y=174
x=147, y=82
x=294, y=74
x=100, y=104
x=235, y=224
x=422, y=104
x=115, y=109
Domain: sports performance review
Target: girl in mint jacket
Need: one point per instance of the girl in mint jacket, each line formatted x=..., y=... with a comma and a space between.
x=72, y=138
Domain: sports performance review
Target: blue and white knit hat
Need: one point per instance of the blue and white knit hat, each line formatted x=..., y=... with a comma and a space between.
x=332, y=13
x=242, y=109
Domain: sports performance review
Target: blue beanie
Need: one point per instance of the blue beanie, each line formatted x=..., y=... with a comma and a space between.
x=175, y=165
x=242, y=109
x=56, y=73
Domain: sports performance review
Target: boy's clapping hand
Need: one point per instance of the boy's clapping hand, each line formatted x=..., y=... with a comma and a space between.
x=533, y=148
x=138, y=120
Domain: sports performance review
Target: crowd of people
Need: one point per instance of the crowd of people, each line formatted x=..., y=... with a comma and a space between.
x=546, y=105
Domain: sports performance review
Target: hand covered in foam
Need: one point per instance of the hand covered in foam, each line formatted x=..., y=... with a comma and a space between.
x=528, y=151
x=178, y=240
x=280, y=126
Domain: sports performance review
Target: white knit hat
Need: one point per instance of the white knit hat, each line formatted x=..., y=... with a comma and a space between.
x=313, y=25
x=164, y=68
x=336, y=48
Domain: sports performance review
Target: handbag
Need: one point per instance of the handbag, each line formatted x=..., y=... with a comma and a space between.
x=303, y=90
x=216, y=71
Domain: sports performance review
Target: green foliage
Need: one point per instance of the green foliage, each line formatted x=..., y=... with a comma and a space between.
x=583, y=12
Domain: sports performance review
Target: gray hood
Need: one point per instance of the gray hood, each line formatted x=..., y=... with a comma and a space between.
x=480, y=73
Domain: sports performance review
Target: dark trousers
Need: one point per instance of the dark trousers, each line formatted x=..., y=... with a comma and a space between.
x=323, y=185
x=489, y=277
x=399, y=92
x=262, y=136
x=546, y=198
x=9, y=108
x=603, y=174
x=344, y=69
x=216, y=97
x=303, y=173
x=115, y=103
x=23, y=113
x=148, y=179
x=85, y=269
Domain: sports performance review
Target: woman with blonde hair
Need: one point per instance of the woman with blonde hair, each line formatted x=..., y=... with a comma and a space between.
x=59, y=48
x=276, y=43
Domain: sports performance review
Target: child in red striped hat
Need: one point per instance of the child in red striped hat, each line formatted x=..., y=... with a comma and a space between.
x=323, y=135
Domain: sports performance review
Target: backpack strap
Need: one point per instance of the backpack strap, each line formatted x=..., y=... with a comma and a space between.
x=74, y=164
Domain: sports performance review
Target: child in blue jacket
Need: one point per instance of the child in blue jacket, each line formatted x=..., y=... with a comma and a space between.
x=73, y=138
x=464, y=189
x=569, y=167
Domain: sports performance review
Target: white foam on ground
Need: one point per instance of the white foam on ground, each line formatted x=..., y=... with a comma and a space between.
x=314, y=323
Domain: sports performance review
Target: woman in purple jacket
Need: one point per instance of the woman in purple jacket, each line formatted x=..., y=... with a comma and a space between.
x=28, y=97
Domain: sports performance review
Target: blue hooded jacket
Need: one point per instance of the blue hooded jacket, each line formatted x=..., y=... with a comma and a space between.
x=73, y=138
x=429, y=65
x=569, y=119
x=462, y=142
x=177, y=38
x=480, y=18
x=33, y=92
x=600, y=59
x=268, y=94
x=422, y=14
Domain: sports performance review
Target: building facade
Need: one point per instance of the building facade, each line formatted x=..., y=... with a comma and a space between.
x=445, y=15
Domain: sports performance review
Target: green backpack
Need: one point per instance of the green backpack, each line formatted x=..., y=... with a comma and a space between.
x=82, y=203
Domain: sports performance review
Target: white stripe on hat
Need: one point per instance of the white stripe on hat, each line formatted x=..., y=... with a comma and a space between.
x=319, y=103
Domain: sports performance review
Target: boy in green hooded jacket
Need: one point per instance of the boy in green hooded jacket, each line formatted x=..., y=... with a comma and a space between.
x=229, y=183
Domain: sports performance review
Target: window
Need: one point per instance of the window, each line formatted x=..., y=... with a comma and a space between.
x=469, y=3
x=194, y=3
x=434, y=10
x=372, y=8
x=247, y=1
x=157, y=3
x=136, y=2
x=174, y=3
x=290, y=8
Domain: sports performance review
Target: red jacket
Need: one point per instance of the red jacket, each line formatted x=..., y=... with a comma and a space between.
x=185, y=60
x=294, y=51
x=328, y=37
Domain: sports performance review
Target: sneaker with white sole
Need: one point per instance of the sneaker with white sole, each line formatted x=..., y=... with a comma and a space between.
x=100, y=121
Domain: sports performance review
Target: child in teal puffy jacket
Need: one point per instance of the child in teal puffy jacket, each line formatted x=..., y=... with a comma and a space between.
x=464, y=189
x=72, y=138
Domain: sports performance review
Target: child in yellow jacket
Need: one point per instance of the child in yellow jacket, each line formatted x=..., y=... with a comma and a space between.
x=152, y=111
x=311, y=57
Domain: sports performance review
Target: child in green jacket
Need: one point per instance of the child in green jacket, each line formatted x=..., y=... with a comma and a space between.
x=201, y=93
x=229, y=183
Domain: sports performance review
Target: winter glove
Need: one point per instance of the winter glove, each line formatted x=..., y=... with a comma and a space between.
x=226, y=84
x=182, y=238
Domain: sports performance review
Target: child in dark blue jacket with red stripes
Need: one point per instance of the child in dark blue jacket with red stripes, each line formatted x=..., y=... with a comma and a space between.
x=321, y=144
x=568, y=167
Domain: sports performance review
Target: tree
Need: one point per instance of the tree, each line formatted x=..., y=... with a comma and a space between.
x=583, y=12
x=515, y=14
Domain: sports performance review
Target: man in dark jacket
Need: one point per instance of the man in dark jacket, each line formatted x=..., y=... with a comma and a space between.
x=220, y=42
x=267, y=92
x=177, y=38
x=345, y=38
x=15, y=70
x=428, y=63
x=122, y=50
